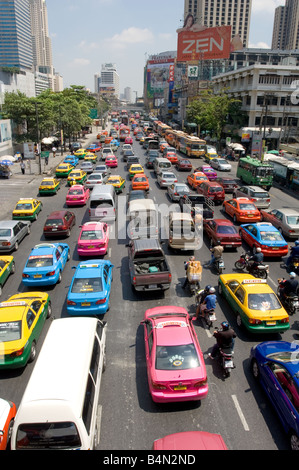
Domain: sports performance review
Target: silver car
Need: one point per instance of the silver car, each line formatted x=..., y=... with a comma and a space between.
x=259, y=196
x=286, y=220
x=87, y=167
x=94, y=179
x=177, y=190
x=220, y=164
x=12, y=233
x=103, y=169
x=166, y=178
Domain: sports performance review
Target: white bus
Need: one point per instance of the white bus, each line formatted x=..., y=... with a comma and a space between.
x=60, y=407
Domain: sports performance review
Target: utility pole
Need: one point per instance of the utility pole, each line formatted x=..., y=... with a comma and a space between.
x=37, y=143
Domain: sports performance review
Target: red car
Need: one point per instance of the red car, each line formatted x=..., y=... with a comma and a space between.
x=128, y=140
x=212, y=190
x=59, y=223
x=172, y=157
x=184, y=165
x=175, y=365
x=222, y=231
x=77, y=195
x=8, y=412
x=192, y=440
x=228, y=184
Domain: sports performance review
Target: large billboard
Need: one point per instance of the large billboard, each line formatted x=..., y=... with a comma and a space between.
x=206, y=44
x=159, y=70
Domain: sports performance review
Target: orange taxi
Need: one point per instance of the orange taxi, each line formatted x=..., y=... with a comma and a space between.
x=163, y=146
x=242, y=210
x=196, y=178
x=140, y=182
x=172, y=157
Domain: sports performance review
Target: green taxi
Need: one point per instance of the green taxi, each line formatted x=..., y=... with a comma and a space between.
x=27, y=209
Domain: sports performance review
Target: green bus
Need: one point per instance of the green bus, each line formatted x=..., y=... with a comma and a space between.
x=253, y=171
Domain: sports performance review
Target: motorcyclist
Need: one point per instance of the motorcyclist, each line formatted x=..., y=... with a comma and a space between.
x=203, y=295
x=217, y=252
x=209, y=303
x=294, y=254
x=225, y=338
x=289, y=286
x=256, y=259
x=186, y=264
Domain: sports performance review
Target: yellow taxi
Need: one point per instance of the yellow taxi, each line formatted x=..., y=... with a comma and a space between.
x=27, y=209
x=7, y=267
x=91, y=157
x=76, y=177
x=80, y=153
x=141, y=140
x=49, y=186
x=63, y=170
x=210, y=155
x=22, y=318
x=254, y=303
x=118, y=182
x=135, y=169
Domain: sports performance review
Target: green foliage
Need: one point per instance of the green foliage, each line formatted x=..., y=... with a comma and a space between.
x=68, y=110
x=213, y=112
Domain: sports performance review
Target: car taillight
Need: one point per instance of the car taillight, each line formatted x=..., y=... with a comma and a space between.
x=169, y=277
x=70, y=302
x=201, y=383
x=50, y=273
x=291, y=231
x=25, y=276
x=6, y=243
x=134, y=280
x=255, y=321
x=158, y=386
x=101, y=301
x=285, y=320
x=17, y=353
x=268, y=200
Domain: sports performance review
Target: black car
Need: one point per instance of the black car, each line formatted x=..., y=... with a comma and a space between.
x=132, y=160
x=188, y=202
x=137, y=194
x=127, y=153
x=149, y=161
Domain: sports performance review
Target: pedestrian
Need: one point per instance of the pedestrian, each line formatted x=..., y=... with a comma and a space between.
x=46, y=160
x=54, y=150
x=22, y=165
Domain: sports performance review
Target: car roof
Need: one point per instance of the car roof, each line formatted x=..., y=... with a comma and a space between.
x=265, y=226
x=289, y=211
x=222, y=222
x=257, y=188
x=43, y=248
x=8, y=223
x=90, y=267
x=55, y=214
x=252, y=285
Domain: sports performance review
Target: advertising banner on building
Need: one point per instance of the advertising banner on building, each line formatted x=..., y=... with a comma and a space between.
x=158, y=77
x=207, y=44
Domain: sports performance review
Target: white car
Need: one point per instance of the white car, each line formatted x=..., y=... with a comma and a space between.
x=220, y=164
x=166, y=178
x=94, y=179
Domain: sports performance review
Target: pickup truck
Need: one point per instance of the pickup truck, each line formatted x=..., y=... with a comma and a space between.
x=188, y=203
x=149, y=269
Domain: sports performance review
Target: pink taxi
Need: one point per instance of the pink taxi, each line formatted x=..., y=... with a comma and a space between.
x=175, y=365
x=111, y=161
x=93, y=239
x=77, y=195
x=128, y=140
x=209, y=172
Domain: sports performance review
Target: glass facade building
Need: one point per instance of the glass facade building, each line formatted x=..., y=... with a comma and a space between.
x=15, y=34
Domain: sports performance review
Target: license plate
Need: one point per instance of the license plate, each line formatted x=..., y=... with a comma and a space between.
x=271, y=323
x=54, y=229
x=250, y=215
x=229, y=246
x=152, y=286
x=38, y=276
x=91, y=246
x=275, y=248
x=180, y=387
x=212, y=318
x=229, y=364
x=85, y=304
x=296, y=265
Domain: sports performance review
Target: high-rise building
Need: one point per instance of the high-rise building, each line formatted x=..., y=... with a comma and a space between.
x=109, y=80
x=15, y=34
x=41, y=42
x=210, y=13
x=286, y=26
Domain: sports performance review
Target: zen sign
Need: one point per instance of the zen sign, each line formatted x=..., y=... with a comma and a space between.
x=210, y=43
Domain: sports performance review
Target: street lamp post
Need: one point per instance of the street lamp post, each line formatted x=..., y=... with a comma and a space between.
x=37, y=142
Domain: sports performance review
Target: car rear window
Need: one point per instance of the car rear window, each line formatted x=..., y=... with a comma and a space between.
x=53, y=222
x=62, y=435
x=42, y=261
x=85, y=286
x=10, y=331
x=179, y=357
x=92, y=235
x=227, y=229
x=5, y=232
x=247, y=207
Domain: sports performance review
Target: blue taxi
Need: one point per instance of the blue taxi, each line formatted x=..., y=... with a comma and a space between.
x=89, y=292
x=45, y=264
x=265, y=236
x=72, y=160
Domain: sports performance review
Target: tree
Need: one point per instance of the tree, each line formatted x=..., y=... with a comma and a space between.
x=211, y=112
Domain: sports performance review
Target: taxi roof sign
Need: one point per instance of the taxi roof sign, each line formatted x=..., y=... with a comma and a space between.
x=13, y=304
x=254, y=281
x=163, y=324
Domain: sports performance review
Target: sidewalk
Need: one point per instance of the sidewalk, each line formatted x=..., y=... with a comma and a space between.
x=32, y=166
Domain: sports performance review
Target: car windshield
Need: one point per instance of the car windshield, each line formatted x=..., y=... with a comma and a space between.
x=53, y=222
x=263, y=302
x=293, y=220
x=24, y=207
x=92, y=235
x=10, y=331
x=179, y=357
x=5, y=232
x=42, y=261
x=247, y=207
x=227, y=229
x=271, y=236
x=81, y=286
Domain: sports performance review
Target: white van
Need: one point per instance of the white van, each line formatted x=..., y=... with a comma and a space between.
x=162, y=164
x=143, y=219
x=102, y=203
x=60, y=407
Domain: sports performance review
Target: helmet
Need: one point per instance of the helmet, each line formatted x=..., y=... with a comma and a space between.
x=192, y=258
x=297, y=243
x=207, y=288
x=212, y=290
x=258, y=250
x=225, y=325
x=292, y=275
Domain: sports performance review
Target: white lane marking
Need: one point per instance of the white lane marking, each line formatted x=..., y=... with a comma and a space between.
x=109, y=252
x=273, y=282
x=240, y=413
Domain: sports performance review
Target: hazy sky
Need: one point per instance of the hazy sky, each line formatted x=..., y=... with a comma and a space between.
x=86, y=34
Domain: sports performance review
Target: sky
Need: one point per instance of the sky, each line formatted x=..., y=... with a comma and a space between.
x=88, y=33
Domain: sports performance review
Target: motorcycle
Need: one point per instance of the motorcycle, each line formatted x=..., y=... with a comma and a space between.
x=208, y=316
x=225, y=358
x=219, y=264
x=194, y=286
x=290, y=302
x=243, y=264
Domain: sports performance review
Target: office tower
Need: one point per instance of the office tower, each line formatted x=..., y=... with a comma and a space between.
x=286, y=26
x=15, y=34
x=109, y=80
x=41, y=42
x=234, y=13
